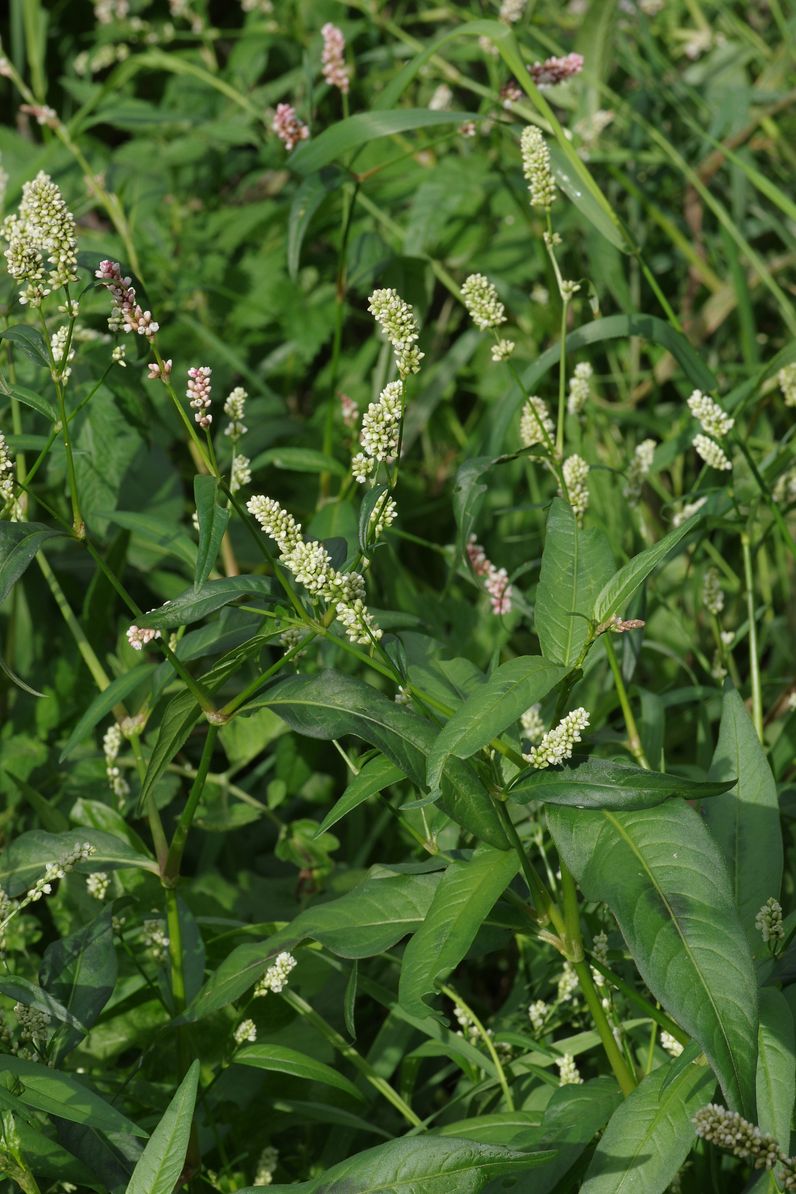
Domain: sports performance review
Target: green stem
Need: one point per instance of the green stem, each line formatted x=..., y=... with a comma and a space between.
x=754, y=661
x=633, y=737
x=350, y=1053
x=655, y=1014
x=545, y=907
x=562, y=381
x=177, y=847
x=78, y=525
x=574, y=940
x=90, y=659
x=486, y=1038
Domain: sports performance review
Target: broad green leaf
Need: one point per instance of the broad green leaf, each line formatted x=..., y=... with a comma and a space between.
x=745, y=821
x=366, y=921
x=102, y=704
x=161, y=1163
x=65, y=1096
x=93, y=814
x=306, y=201
x=615, y=327
x=511, y=689
x=776, y=1075
x=80, y=970
x=29, y=341
x=31, y=398
x=651, y=1133
x=22, y=990
x=465, y=896
x=571, y=1119
x=505, y=1128
x=330, y=705
x=19, y=542
x=196, y=603
x=663, y=878
x=615, y=594
x=583, y=200
x=364, y=128
x=418, y=1165
x=27, y=856
x=575, y=566
x=168, y=537
x=299, y=460
x=213, y=520
x=468, y=496
x=284, y=1060
x=602, y=783
x=376, y=775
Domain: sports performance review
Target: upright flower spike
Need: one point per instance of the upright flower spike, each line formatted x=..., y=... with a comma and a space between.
x=335, y=71
x=639, y=469
x=730, y=1131
x=536, y=168
x=555, y=70
x=786, y=380
x=482, y=302
x=379, y=433
x=536, y=417
x=276, y=976
x=579, y=387
x=712, y=594
x=397, y=321
x=287, y=126
x=511, y=11
x=42, y=249
x=9, y=505
x=496, y=580
x=576, y=472
x=198, y=393
x=711, y=417
x=240, y=472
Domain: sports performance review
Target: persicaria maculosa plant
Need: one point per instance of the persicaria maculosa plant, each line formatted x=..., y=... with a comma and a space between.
x=396, y=533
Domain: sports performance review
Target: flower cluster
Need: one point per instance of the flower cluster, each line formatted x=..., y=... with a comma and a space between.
x=671, y=1044
x=729, y=1130
x=502, y=350
x=536, y=426
x=139, y=636
x=349, y=409
x=496, y=580
x=599, y=947
x=43, y=886
x=379, y=433
x=688, y=511
x=711, y=453
x=576, y=473
x=784, y=491
x=240, y=472
x=712, y=595
x=246, y=1031
x=559, y=743
x=58, y=343
x=42, y=249
x=312, y=567
x=532, y=725
x=397, y=321
x=511, y=11
x=768, y=921
x=537, y=1014
x=127, y=315
x=482, y=302
x=157, y=372
x=33, y=1024
x=567, y=983
x=382, y=516
x=111, y=745
x=198, y=393
x=555, y=70
x=579, y=387
x=709, y=414
x=335, y=71
x=276, y=976
x=269, y=1159
x=97, y=884
x=287, y=126
x=569, y=1075
x=639, y=469
x=536, y=168
x=786, y=380
x=8, y=502
x=156, y=941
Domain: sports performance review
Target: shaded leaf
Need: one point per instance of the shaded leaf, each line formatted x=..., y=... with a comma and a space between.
x=603, y=783
x=80, y=970
x=161, y=1163
x=376, y=775
x=283, y=1060
x=776, y=1076
x=27, y=856
x=66, y=1096
x=213, y=520
x=614, y=595
x=29, y=341
x=19, y=542
x=364, y=128
x=102, y=704
x=198, y=602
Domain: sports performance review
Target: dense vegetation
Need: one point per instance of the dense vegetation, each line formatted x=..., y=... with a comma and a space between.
x=397, y=691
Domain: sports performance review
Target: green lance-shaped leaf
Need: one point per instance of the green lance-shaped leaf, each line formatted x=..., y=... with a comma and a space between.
x=464, y=898
x=745, y=821
x=28, y=341
x=374, y=776
x=283, y=1060
x=80, y=970
x=161, y=1163
x=776, y=1076
x=213, y=521
x=571, y=1120
x=663, y=878
x=65, y=1096
x=419, y=1165
x=575, y=566
x=306, y=201
x=330, y=705
x=614, y=596
x=198, y=602
x=367, y=920
x=511, y=689
x=650, y=1134
x=364, y=128
x=19, y=542
x=26, y=857
x=603, y=783
x=117, y=691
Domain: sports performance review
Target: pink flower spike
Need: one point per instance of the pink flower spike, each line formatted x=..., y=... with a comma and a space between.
x=556, y=70
x=335, y=71
x=199, y=394
x=138, y=637
x=287, y=126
